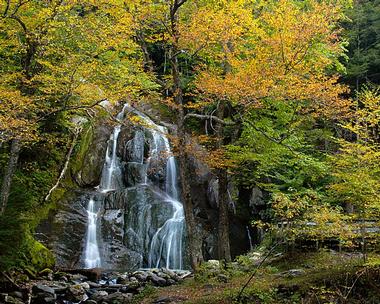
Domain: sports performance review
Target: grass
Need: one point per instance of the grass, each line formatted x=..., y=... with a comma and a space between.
x=328, y=277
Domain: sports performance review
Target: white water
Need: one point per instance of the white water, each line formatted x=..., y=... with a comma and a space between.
x=92, y=256
x=111, y=179
x=166, y=245
x=249, y=238
x=111, y=174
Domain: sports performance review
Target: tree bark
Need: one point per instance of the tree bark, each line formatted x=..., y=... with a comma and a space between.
x=8, y=174
x=224, y=251
x=195, y=244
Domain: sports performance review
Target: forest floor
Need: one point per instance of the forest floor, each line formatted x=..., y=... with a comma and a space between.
x=319, y=277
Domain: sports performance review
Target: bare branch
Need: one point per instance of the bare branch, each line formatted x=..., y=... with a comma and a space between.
x=65, y=108
x=210, y=117
x=66, y=165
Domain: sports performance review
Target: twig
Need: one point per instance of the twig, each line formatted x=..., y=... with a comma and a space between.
x=10, y=280
x=256, y=269
x=353, y=284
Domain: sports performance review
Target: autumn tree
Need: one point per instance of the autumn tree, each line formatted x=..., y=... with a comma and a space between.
x=356, y=165
x=60, y=57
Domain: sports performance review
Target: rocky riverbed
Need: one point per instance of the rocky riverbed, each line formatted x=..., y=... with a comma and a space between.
x=87, y=286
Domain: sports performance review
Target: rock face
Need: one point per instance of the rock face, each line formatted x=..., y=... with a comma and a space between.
x=130, y=216
x=94, y=146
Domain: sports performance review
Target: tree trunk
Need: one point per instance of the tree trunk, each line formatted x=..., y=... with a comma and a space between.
x=8, y=174
x=224, y=251
x=195, y=244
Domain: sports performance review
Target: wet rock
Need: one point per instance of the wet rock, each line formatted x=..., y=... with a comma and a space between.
x=43, y=294
x=119, y=298
x=156, y=280
x=40, y=288
x=94, y=143
x=132, y=286
x=99, y=296
x=123, y=279
x=60, y=289
x=135, y=173
x=85, y=285
x=76, y=278
x=94, y=285
x=172, y=275
x=134, y=148
x=141, y=276
x=76, y=293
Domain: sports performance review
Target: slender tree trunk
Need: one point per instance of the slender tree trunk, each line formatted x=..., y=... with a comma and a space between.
x=195, y=243
x=224, y=251
x=8, y=174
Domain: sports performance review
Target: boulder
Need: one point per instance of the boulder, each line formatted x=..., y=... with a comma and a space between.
x=156, y=280
x=119, y=298
x=43, y=294
x=99, y=296
x=76, y=293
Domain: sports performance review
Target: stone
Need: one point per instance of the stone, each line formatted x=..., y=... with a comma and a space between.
x=40, y=288
x=60, y=289
x=14, y=300
x=76, y=278
x=17, y=294
x=76, y=293
x=170, y=273
x=85, y=285
x=122, y=279
x=222, y=278
x=158, y=281
x=163, y=300
x=141, y=276
x=43, y=294
x=132, y=286
x=94, y=285
x=119, y=298
x=292, y=273
x=99, y=295
x=94, y=144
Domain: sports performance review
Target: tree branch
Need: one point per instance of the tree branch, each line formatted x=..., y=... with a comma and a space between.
x=6, y=8
x=210, y=117
x=66, y=165
x=71, y=108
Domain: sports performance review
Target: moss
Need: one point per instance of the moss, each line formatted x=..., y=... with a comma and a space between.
x=81, y=149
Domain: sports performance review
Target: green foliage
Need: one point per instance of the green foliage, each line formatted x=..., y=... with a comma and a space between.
x=277, y=149
x=363, y=35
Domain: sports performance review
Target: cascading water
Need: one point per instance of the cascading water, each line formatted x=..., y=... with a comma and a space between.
x=140, y=218
x=92, y=256
x=166, y=245
x=111, y=178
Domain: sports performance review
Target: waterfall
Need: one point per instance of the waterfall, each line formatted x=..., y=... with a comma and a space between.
x=92, y=256
x=111, y=174
x=111, y=178
x=140, y=220
x=249, y=238
x=166, y=245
